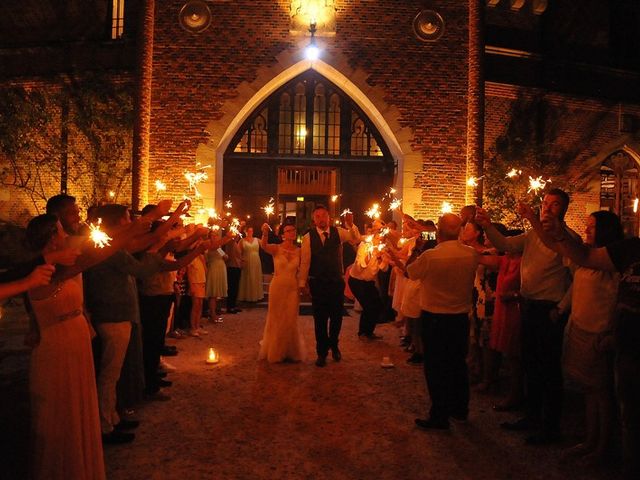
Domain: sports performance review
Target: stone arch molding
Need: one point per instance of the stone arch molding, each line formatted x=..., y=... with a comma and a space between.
x=591, y=170
x=352, y=81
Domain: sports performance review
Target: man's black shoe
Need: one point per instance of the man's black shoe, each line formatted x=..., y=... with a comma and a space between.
x=161, y=374
x=117, y=438
x=167, y=352
x=127, y=425
x=336, y=354
x=431, y=424
x=524, y=423
x=321, y=362
x=163, y=383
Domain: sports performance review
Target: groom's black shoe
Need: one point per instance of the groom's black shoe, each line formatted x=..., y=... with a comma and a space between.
x=335, y=353
x=321, y=362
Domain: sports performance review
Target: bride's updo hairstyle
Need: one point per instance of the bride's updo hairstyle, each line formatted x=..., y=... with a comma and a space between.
x=41, y=230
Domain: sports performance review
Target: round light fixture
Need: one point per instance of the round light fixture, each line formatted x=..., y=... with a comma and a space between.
x=195, y=16
x=428, y=26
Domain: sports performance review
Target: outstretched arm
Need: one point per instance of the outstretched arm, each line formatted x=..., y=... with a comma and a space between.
x=499, y=241
x=264, y=241
x=40, y=276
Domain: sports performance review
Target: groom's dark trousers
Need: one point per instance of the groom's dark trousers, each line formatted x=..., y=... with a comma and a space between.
x=327, y=299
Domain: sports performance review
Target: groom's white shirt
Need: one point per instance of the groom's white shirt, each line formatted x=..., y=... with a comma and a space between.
x=351, y=234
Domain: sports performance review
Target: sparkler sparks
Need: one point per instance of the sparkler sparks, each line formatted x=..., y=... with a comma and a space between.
x=160, y=186
x=228, y=204
x=513, y=173
x=269, y=208
x=395, y=204
x=194, y=178
x=536, y=184
x=212, y=213
x=346, y=211
x=100, y=238
x=472, y=182
x=233, y=227
x=374, y=211
x=446, y=208
x=334, y=198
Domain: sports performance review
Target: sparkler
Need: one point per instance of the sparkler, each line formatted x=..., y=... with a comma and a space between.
x=228, y=204
x=635, y=205
x=395, y=204
x=212, y=213
x=374, y=211
x=194, y=178
x=446, y=207
x=472, y=182
x=536, y=184
x=269, y=208
x=513, y=173
x=334, y=198
x=112, y=194
x=233, y=227
x=100, y=238
x=402, y=241
x=160, y=186
x=346, y=211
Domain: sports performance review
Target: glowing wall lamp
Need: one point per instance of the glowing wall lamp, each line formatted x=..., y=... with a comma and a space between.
x=312, y=52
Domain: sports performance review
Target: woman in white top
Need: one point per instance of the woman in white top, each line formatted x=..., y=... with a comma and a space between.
x=251, y=289
x=589, y=339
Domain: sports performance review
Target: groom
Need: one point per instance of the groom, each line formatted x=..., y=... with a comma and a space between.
x=321, y=265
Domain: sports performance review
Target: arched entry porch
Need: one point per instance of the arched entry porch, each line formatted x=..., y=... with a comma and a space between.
x=385, y=119
x=307, y=144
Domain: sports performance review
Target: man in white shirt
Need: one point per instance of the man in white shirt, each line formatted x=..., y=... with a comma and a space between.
x=321, y=272
x=545, y=278
x=370, y=260
x=446, y=275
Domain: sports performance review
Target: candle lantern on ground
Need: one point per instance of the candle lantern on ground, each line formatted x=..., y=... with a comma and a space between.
x=213, y=357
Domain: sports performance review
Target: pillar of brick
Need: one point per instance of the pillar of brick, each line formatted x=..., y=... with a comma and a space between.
x=475, y=91
x=142, y=106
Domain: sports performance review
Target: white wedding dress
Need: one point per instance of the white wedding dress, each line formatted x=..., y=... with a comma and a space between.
x=281, y=339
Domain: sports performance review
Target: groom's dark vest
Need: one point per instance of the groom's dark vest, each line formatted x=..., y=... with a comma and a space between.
x=326, y=260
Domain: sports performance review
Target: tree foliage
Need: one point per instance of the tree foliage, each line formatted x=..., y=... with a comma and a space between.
x=83, y=122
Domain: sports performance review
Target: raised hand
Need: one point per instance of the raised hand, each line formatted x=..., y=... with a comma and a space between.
x=265, y=228
x=41, y=275
x=525, y=211
x=163, y=208
x=482, y=217
x=348, y=219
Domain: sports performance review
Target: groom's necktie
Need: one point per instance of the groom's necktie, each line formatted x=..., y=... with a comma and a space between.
x=326, y=236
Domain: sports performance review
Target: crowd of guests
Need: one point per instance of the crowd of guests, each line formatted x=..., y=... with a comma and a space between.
x=469, y=295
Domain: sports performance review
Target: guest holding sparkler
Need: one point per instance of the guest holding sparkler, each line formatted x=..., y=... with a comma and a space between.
x=446, y=275
x=545, y=279
x=111, y=298
x=64, y=406
x=370, y=259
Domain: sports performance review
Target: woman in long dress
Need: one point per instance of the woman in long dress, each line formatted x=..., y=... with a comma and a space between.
x=216, y=284
x=281, y=339
x=251, y=289
x=65, y=425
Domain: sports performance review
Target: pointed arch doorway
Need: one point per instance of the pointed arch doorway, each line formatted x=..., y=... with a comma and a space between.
x=307, y=143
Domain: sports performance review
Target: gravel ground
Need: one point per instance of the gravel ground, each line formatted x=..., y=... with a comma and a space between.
x=244, y=419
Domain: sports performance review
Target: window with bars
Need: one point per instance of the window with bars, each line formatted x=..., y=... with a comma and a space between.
x=254, y=139
x=310, y=117
x=619, y=189
x=117, y=19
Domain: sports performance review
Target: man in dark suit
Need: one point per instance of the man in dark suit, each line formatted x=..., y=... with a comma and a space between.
x=321, y=273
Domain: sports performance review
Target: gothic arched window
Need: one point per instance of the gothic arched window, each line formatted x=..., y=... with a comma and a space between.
x=619, y=189
x=310, y=117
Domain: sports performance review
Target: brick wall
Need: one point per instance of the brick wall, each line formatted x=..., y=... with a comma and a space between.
x=195, y=75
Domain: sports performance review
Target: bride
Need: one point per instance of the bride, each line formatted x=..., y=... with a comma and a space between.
x=281, y=340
